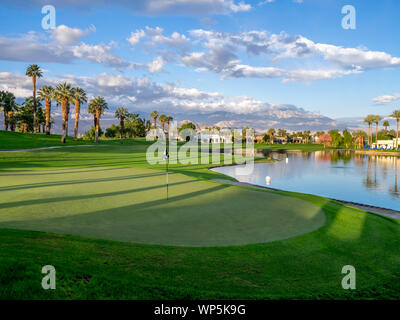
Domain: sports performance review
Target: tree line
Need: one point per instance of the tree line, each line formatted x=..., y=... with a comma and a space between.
x=30, y=116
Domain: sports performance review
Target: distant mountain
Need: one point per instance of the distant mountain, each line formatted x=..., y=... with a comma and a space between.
x=293, y=119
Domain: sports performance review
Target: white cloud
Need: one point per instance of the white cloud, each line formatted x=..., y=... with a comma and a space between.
x=386, y=98
x=222, y=49
x=144, y=95
x=155, y=35
x=156, y=65
x=33, y=47
x=69, y=36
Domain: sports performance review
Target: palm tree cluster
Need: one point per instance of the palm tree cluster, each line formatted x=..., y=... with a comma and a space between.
x=164, y=119
x=372, y=119
x=30, y=116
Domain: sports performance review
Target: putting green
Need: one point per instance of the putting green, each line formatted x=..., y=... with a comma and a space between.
x=129, y=204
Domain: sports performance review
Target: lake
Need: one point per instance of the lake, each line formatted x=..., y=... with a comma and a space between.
x=338, y=174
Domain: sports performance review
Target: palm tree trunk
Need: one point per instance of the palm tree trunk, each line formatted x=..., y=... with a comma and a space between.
x=155, y=122
x=376, y=134
x=64, y=120
x=122, y=124
x=48, y=112
x=77, y=112
x=370, y=134
x=96, y=137
x=5, y=120
x=397, y=134
x=34, y=102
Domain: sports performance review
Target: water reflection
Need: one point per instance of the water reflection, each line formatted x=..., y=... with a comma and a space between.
x=339, y=174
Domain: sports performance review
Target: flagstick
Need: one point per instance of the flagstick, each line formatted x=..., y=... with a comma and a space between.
x=167, y=177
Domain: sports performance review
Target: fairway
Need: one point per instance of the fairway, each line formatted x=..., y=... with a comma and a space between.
x=129, y=204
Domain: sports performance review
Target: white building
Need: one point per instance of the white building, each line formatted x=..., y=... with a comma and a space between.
x=386, y=144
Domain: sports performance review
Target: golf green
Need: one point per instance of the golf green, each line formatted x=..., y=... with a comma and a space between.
x=129, y=204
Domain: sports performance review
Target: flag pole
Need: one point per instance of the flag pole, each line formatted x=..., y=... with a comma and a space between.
x=166, y=157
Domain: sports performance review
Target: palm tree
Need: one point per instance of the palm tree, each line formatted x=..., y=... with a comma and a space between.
x=96, y=107
x=271, y=133
x=78, y=97
x=396, y=114
x=169, y=120
x=369, y=119
x=62, y=93
x=359, y=137
x=163, y=120
x=386, y=125
x=377, y=119
x=154, y=116
x=34, y=72
x=46, y=93
x=121, y=113
x=7, y=104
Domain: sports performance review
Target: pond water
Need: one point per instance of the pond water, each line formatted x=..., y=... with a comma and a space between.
x=342, y=175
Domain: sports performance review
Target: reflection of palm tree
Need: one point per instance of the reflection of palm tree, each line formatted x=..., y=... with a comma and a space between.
x=395, y=190
x=368, y=183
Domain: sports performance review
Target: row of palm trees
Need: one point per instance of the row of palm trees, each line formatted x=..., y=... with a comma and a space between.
x=164, y=119
x=64, y=94
x=372, y=118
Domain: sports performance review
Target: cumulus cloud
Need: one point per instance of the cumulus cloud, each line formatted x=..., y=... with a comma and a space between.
x=62, y=47
x=144, y=95
x=69, y=36
x=386, y=98
x=156, y=36
x=221, y=51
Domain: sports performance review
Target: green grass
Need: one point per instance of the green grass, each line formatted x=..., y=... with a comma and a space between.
x=39, y=191
x=16, y=140
x=129, y=204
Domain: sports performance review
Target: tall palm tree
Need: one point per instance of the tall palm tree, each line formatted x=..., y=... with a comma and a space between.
x=154, y=116
x=62, y=93
x=34, y=72
x=396, y=114
x=377, y=119
x=386, y=125
x=369, y=119
x=271, y=133
x=359, y=137
x=169, y=120
x=7, y=104
x=78, y=98
x=46, y=93
x=163, y=120
x=121, y=113
x=96, y=107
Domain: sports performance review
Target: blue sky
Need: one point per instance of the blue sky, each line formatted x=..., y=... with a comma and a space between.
x=245, y=57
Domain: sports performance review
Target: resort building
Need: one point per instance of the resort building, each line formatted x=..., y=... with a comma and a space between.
x=386, y=144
